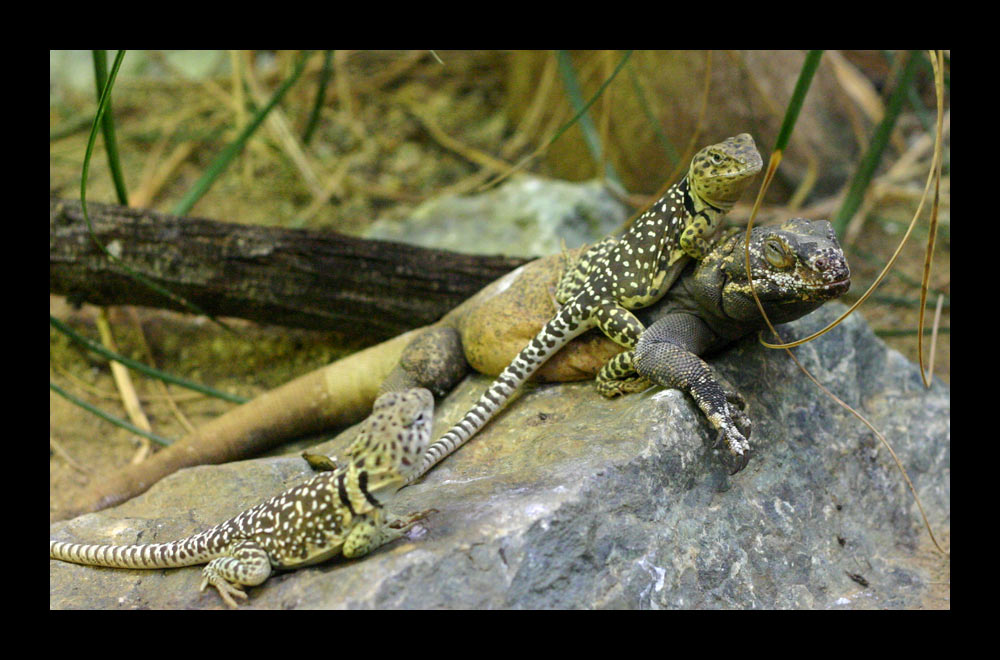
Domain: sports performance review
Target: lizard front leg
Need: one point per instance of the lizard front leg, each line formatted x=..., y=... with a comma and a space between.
x=377, y=530
x=667, y=355
x=619, y=324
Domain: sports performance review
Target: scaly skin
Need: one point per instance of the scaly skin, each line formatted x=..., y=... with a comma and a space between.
x=333, y=513
x=620, y=274
x=795, y=268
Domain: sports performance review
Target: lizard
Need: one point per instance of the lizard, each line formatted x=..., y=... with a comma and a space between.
x=795, y=267
x=333, y=513
x=623, y=273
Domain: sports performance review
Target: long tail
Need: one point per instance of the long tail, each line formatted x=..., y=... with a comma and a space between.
x=568, y=323
x=186, y=552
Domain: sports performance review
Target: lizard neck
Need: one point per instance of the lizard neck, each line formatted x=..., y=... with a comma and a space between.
x=358, y=490
x=701, y=203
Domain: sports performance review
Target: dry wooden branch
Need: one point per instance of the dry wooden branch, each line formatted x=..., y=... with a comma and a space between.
x=291, y=277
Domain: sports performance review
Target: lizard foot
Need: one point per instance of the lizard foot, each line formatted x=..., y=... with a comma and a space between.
x=405, y=523
x=737, y=462
x=734, y=430
x=226, y=588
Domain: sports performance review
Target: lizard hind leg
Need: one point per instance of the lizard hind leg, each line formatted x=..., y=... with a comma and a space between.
x=246, y=563
x=618, y=376
x=619, y=324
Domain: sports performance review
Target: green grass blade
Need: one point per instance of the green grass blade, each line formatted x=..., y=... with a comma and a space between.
x=222, y=161
x=117, y=421
x=658, y=131
x=108, y=127
x=575, y=94
x=907, y=332
x=802, y=85
x=521, y=164
x=324, y=79
x=102, y=106
x=94, y=346
x=880, y=139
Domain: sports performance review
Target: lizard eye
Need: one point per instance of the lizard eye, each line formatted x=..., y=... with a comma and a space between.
x=774, y=252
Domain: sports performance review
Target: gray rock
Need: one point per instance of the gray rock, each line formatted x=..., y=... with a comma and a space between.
x=524, y=217
x=567, y=500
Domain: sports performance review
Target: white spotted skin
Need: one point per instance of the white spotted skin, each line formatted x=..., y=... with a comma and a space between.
x=620, y=274
x=332, y=513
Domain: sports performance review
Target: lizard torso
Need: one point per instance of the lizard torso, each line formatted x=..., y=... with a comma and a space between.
x=333, y=513
x=619, y=274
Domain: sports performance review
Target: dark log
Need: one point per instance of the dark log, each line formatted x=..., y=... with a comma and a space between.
x=291, y=277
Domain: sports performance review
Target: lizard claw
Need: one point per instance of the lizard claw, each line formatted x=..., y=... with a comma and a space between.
x=402, y=524
x=741, y=462
x=734, y=430
x=738, y=455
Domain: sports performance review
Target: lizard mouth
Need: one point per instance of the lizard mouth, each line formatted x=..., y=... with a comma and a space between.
x=836, y=288
x=742, y=174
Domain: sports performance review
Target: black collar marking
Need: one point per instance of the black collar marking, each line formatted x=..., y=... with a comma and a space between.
x=689, y=199
x=363, y=484
x=342, y=491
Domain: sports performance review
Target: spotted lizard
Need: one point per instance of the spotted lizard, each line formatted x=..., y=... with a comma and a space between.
x=333, y=513
x=619, y=274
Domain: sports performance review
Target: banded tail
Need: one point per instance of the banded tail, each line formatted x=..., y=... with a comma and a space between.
x=186, y=552
x=568, y=323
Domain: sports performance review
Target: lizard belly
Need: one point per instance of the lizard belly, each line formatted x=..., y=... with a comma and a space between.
x=313, y=554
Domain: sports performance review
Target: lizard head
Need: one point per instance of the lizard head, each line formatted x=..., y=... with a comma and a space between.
x=393, y=438
x=796, y=267
x=720, y=173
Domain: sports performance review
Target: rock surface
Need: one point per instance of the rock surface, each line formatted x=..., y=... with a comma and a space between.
x=567, y=500
x=525, y=217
